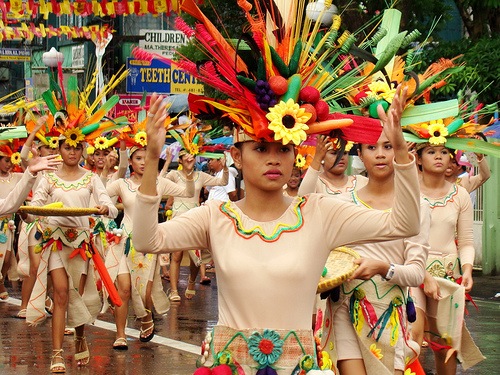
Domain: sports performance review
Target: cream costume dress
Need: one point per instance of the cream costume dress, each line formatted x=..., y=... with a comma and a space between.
x=267, y=272
x=123, y=258
x=7, y=227
x=451, y=218
x=64, y=243
x=471, y=183
x=182, y=205
x=368, y=320
x=313, y=182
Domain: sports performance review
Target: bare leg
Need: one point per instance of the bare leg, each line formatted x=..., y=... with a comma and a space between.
x=5, y=268
x=147, y=324
x=351, y=367
x=443, y=368
x=175, y=268
x=121, y=312
x=60, y=286
x=29, y=282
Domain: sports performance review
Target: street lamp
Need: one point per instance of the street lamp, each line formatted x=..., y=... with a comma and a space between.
x=53, y=59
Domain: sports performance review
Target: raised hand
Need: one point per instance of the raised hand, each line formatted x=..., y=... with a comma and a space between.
x=323, y=145
x=391, y=122
x=155, y=126
x=46, y=163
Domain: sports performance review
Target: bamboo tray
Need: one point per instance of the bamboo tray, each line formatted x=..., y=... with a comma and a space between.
x=339, y=267
x=58, y=211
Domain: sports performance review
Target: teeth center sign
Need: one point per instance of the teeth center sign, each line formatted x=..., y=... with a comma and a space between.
x=158, y=76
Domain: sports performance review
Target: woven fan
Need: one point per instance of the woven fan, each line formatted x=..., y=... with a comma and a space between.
x=58, y=211
x=339, y=267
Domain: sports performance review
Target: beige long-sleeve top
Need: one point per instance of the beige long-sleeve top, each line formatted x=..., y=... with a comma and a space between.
x=471, y=183
x=16, y=197
x=72, y=194
x=452, y=217
x=126, y=190
x=9, y=183
x=313, y=182
x=201, y=179
x=267, y=272
x=409, y=255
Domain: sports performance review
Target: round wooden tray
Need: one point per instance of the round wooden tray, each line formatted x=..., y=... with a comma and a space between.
x=339, y=267
x=58, y=211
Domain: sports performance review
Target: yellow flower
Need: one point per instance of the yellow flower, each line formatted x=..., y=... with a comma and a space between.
x=381, y=90
x=376, y=351
x=74, y=136
x=53, y=142
x=438, y=133
x=101, y=143
x=300, y=161
x=409, y=372
x=90, y=150
x=288, y=122
x=141, y=138
x=193, y=149
x=15, y=158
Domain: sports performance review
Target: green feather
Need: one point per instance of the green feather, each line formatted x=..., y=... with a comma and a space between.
x=473, y=145
x=177, y=137
x=49, y=100
x=429, y=112
x=13, y=132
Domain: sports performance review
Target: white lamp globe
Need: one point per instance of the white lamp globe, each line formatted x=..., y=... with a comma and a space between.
x=52, y=57
x=314, y=9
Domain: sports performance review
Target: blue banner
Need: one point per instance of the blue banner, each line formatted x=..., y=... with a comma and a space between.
x=160, y=77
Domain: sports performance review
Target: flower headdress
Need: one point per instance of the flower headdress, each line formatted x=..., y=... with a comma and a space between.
x=462, y=133
x=135, y=134
x=10, y=149
x=192, y=140
x=299, y=76
x=74, y=118
x=47, y=135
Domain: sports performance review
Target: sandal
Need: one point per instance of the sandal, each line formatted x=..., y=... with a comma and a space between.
x=4, y=296
x=58, y=367
x=50, y=307
x=82, y=358
x=205, y=281
x=120, y=344
x=190, y=293
x=173, y=295
x=21, y=314
x=151, y=328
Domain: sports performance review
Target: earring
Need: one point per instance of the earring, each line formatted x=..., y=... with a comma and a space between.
x=322, y=162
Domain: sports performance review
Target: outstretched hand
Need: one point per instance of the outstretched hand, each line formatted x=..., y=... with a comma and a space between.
x=155, y=126
x=391, y=122
x=46, y=163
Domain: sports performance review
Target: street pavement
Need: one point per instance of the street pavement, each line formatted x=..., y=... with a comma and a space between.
x=176, y=345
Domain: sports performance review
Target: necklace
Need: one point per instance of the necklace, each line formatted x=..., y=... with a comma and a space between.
x=7, y=179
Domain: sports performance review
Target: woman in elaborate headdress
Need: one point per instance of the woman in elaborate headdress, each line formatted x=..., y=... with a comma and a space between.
x=137, y=275
x=10, y=175
x=269, y=249
x=191, y=142
x=441, y=299
x=65, y=241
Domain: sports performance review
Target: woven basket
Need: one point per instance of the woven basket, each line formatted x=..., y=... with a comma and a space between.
x=339, y=266
x=58, y=211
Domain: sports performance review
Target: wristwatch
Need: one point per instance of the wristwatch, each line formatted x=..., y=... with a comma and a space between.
x=390, y=272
